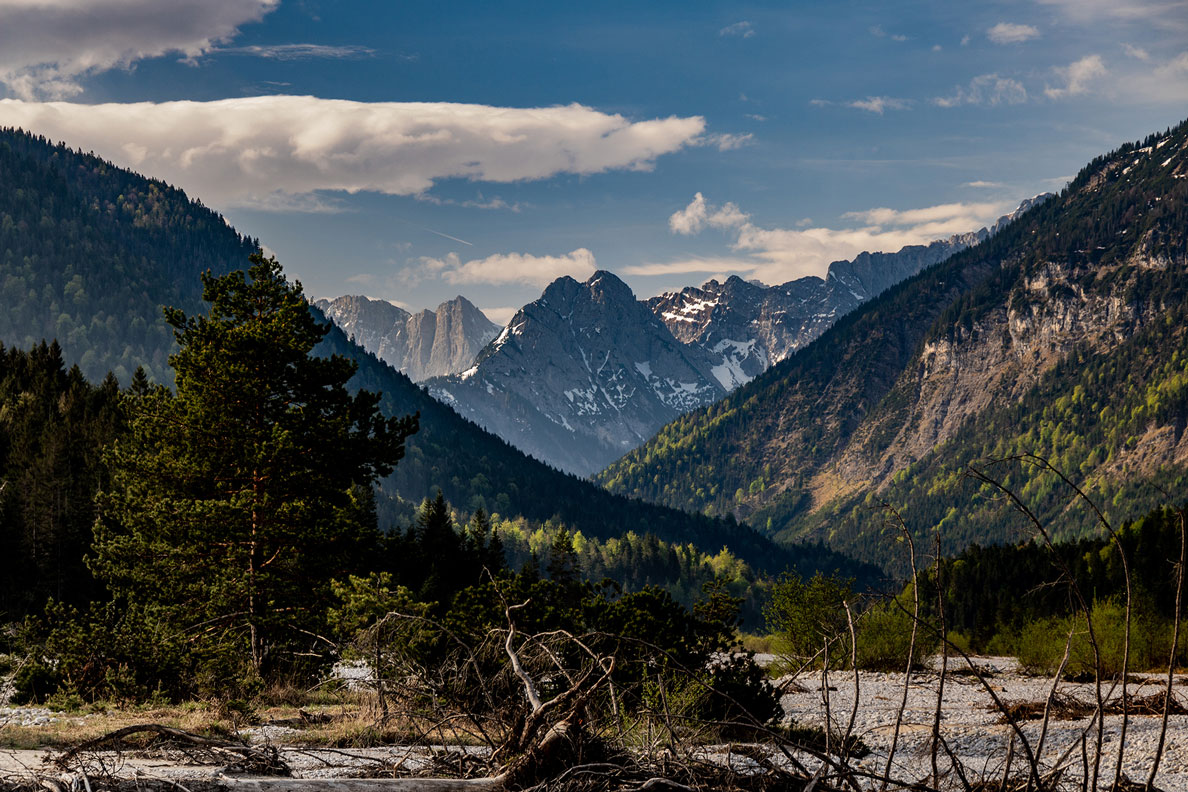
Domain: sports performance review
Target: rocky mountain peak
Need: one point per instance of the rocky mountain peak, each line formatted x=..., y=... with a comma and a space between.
x=422, y=345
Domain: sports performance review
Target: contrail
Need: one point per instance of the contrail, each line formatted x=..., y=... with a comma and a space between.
x=430, y=230
x=447, y=236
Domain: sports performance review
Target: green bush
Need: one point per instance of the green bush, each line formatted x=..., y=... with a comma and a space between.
x=885, y=635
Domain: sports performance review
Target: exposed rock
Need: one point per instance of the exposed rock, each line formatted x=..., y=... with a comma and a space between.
x=581, y=376
x=422, y=345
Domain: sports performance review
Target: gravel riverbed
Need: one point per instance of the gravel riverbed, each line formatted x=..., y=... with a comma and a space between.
x=976, y=731
x=973, y=728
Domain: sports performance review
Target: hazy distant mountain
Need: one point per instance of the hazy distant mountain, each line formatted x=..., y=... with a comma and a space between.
x=422, y=345
x=747, y=327
x=581, y=376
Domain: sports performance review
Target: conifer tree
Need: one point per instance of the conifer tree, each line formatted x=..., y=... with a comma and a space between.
x=234, y=501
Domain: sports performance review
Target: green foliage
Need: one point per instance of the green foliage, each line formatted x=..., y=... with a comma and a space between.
x=231, y=503
x=885, y=636
x=807, y=614
x=89, y=253
x=53, y=426
x=116, y=651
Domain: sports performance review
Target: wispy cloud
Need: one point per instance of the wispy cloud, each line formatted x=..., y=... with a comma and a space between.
x=878, y=104
x=725, y=141
x=743, y=29
x=1161, y=13
x=295, y=52
x=981, y=184
x=1077, y=77
x=481, y=202
x=988, y=89
x=48, y=46
x=878, y=32
x=1011, y=33
x=243, y=152
x=508, y=268
x=1136, y=52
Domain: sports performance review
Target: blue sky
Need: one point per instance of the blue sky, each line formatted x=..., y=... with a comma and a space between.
x=416, y=150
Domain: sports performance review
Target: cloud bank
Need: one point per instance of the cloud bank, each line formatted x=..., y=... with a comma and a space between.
x=261, y=151
x=777, y=255
x=509, y=268
x=47, y=45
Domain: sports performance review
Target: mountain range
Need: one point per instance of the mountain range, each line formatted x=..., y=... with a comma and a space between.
x=747, y=327
x=1063, y=336
x=93, y=252
x=587, y=373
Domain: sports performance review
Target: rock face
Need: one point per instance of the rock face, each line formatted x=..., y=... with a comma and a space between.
x=582, y=376
x=746, y=328
x=422, y=345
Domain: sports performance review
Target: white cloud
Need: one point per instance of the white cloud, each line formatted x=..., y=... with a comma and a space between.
x=989, y=89
x=500, y=315
x=982, y=184
x=46, y=46
x=1011, y=33
x=244, y=152
x=696, y=216
x=776, y=255
x=744, y=29
x=506, y=268
x=877, y=104
x=1167, y=83
x=689, y=266
x=1077, y=77
x=965, y=41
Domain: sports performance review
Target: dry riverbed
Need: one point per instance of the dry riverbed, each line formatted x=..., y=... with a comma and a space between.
x=974, y=730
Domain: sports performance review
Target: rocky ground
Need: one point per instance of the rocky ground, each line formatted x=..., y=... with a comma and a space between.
x=974, y=729
x=978, y=734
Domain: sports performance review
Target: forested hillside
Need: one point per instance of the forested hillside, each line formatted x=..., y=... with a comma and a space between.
x=93, y=254
x=1061, y=336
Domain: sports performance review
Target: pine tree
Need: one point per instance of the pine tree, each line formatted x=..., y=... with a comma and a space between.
x=234, y=501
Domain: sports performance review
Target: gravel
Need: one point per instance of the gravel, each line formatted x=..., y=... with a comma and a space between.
x=977, y=733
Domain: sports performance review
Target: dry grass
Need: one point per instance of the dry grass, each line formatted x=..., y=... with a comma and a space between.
x=341, y=720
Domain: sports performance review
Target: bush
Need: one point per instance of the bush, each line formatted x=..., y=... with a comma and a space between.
x=885, y=635
x=1041, y=643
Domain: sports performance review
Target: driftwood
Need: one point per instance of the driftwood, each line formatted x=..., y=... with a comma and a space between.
x=365, y=784
x=249, y=759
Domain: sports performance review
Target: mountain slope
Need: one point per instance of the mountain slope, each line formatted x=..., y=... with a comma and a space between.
x=581, y=376
x=981, y=355
x=422, y=345
x=148, y=250
x=89, y=253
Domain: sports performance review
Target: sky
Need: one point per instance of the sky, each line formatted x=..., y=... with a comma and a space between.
x=412, y=151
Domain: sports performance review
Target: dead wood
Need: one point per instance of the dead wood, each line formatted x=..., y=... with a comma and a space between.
x=263, y=760
x=1147, y=705
x=1062, y=708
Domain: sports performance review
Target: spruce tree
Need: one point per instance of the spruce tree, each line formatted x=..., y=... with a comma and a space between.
x=235, y=500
